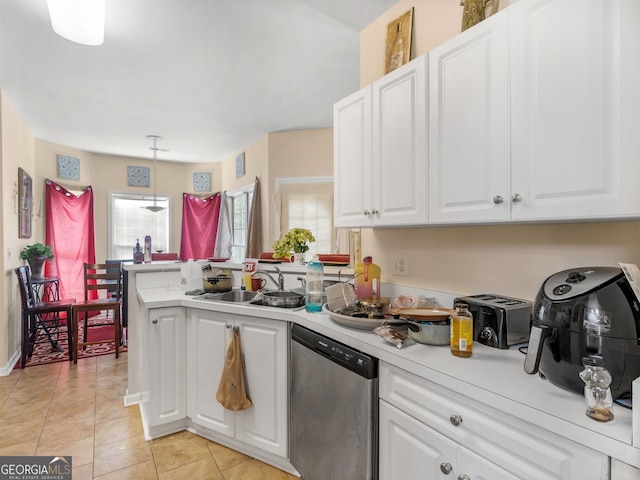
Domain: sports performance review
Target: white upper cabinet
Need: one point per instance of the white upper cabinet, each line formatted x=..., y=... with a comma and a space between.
x=469, y=125
x=380, y=169
x=575, y=73
x=399, y=146
x=352, y=175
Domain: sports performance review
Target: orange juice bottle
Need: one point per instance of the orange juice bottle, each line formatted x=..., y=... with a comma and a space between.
x=461, y=340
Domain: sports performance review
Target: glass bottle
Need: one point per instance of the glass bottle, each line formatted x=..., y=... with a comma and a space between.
x=597, y=393
x=314, y=285
x=138, y=256
x=461, y=339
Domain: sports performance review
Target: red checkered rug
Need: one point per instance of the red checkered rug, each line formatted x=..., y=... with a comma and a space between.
x=44, y=352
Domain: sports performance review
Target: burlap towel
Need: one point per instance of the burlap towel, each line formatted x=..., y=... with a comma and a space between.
x=232, y=391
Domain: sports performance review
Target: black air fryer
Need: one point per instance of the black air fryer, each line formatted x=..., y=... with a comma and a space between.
x=587, y=313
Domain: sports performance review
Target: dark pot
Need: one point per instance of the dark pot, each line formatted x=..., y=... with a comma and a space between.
x=36, y=267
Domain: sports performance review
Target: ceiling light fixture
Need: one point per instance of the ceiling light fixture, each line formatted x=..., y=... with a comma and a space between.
x=155, y=138
x=81, y=21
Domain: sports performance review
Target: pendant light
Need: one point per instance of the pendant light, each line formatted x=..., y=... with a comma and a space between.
x=154, y=148
x=81, y=21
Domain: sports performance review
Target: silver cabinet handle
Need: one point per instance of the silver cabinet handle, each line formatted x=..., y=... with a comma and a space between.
x=374, y=212
x=464, y=476
x=366, y=212
x=154, y=321
x=497, y=200
x=455, y=420
x=516, y=198
x=446, y=468
x=229, y=325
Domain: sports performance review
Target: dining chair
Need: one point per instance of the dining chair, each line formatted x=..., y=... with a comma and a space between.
x=102, y=292
x=42, y=320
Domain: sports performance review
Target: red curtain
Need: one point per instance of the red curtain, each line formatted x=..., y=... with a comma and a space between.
x=199, y=226
x=69, y=231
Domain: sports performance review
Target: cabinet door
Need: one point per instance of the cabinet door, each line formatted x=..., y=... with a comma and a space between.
x=572, y=104
x=167, y=366
x=469, y=125
x=265, y=352
x=352, y=160
x=622, y=471
x=478, y=468
x=208, y=333
x=409, y=450
x=399, y=146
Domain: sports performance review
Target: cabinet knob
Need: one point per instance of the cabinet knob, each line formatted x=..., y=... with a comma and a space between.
x=464, y=476
x=374, y=212
x=154, y=321
x=229, y=325
x=516, y=198
x=497, y=200
x=446, y=468
x=455, y=420
x=366, y=212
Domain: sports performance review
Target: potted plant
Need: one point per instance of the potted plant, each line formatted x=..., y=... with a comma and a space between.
x=296, y=241
x=35, y=255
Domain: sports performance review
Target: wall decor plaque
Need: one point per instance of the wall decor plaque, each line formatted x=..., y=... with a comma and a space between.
x=138, y=176
x=68, y=167
x=398, y=46
x=240, y=165
x=202, y=182
x=25, y=203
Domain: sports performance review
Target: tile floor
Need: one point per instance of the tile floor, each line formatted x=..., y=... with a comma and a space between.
x=62, y=409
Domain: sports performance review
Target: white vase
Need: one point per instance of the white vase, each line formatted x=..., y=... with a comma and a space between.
x=298, y=258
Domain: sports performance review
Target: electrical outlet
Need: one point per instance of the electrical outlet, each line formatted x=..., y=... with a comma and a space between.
x=399, y=265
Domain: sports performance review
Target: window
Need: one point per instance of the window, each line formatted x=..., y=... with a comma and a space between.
x=130, y=221
x=240, y=208
x=307, y=203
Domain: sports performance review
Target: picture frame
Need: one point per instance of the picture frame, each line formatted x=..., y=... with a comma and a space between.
x=240, y=165
x=398, y=43
x=25, y=203
x=138, y=176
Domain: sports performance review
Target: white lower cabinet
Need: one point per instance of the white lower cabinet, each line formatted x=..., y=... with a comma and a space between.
x=264, y=348
x=413, y=451
x=167, y=366
x=623, y=471
x=428, y=431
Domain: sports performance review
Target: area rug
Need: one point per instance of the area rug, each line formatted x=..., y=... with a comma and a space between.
x=44, y=352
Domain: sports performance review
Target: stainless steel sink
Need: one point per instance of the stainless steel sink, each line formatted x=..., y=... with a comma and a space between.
x=232, y=296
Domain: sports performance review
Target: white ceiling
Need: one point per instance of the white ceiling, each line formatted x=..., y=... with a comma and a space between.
x=210, y=76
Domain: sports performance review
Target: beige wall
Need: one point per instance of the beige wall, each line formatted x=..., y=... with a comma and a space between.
x=507, y=259
x=299, y=153
x=434, y=22
x=16, y=150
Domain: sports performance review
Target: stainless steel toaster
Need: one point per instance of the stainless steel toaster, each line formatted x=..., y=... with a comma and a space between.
x=499, y=321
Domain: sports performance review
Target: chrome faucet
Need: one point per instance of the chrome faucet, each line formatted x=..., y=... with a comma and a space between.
x=279, y=283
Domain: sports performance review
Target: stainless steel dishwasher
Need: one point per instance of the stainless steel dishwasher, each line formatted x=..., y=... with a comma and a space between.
x=334, y=409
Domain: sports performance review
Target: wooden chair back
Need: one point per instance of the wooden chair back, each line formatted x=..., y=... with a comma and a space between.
x=26, y=292
x=102, y=277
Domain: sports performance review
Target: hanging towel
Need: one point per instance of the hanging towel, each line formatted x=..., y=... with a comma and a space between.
x=232, y=391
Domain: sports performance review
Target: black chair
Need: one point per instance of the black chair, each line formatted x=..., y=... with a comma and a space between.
x=42, y=320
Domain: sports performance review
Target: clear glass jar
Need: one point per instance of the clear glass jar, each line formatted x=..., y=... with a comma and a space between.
x=461, y=339
x=597, y=393
x=314, y=286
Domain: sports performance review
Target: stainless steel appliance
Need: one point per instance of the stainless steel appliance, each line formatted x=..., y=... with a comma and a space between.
x=499, y=321
x=334, y=414
x=586, y=313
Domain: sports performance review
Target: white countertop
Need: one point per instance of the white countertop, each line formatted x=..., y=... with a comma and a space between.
x=492, y=376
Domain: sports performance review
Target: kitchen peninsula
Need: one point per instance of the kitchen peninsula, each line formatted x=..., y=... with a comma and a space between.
x=517, y=422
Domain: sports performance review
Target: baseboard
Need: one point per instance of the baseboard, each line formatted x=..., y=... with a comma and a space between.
x=8, y=368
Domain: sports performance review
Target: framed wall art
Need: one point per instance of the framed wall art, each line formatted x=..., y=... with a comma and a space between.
x=202, y=182
x=398, y=45
x=68, y=167
x=25, y=203
x=138, y=176
x=240, y=165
